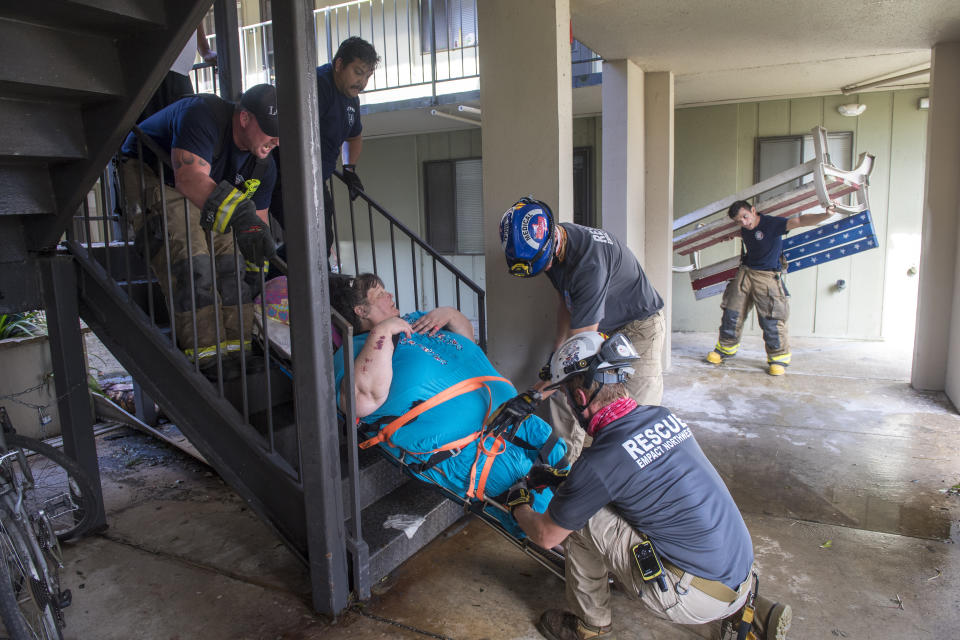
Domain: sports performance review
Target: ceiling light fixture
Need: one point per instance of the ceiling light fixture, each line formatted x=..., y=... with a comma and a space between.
x=851, y=110
x=450, y=116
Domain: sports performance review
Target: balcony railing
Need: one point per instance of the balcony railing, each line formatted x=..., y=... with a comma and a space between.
x=427, y=48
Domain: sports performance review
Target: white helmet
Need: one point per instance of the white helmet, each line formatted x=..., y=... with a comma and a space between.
x=604, y=359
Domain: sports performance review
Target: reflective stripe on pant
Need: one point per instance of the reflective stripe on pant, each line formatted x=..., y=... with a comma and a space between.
x=603, y=547
x=765, y=291
x=645, y=385
x=214, y=310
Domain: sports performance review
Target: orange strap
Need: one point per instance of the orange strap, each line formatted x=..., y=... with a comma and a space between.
x=499, y=446
x=460, y=388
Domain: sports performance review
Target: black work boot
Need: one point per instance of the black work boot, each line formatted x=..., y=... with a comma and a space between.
x=561, y=625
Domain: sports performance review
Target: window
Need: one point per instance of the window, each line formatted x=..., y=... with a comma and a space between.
x=583, y=186
x=454, y=206
x=455, y=22
x=779, y=154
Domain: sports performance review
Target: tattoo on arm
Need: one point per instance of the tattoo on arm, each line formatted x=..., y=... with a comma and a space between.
x=186, y=159
x=202, y=163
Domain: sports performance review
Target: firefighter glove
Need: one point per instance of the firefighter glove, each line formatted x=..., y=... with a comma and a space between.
x=254, y=239
x=230, y=208
x=352, y=179
x=225, y=203
x=517, y=495
x=542, y=475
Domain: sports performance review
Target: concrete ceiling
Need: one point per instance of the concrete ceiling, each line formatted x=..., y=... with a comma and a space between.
x=737, y=50
x=744, y=50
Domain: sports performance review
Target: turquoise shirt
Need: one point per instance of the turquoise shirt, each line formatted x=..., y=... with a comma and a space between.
x=423, y=366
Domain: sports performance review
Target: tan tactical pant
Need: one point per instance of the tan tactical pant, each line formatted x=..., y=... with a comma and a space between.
x=218, y=310
x=603, y=547
x=645, y=385
x=765, y=291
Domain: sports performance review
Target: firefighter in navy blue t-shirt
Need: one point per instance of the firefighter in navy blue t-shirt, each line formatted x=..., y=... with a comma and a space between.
x=221, y=166
x=642, y=503
x=339, y=84
x=759, y=282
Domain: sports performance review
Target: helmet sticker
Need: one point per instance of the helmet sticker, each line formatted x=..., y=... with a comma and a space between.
x=533, y=228
x=505, y=223
x=623, y=350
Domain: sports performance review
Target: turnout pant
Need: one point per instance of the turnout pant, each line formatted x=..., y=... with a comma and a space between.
x=219, y=309
x=603, y=547
x=765, y=291
x=645, y=385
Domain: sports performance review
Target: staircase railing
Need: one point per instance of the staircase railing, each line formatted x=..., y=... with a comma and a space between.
x=432, y=281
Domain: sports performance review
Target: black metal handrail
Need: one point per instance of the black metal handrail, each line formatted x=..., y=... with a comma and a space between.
x=418, y=243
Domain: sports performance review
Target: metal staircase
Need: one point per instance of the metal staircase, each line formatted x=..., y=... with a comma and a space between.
x=77, y=74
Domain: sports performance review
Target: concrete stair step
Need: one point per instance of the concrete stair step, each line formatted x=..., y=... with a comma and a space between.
x=389, y=547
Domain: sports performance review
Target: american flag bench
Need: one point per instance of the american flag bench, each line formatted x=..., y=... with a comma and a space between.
x=837, y=238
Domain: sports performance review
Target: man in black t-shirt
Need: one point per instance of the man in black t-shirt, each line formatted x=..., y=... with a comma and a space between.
x=600, y=287
x=221, y=166
x=759, y=282
x=642, y=503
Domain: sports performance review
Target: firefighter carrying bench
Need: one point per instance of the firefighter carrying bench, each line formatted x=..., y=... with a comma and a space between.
x=847, y=235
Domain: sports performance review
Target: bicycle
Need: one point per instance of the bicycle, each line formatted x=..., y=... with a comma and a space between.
x=45, y=497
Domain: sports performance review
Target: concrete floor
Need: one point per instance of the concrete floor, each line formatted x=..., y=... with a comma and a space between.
x=840, y=468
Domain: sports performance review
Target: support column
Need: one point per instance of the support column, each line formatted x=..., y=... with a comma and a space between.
x=229, y=63
x=70, y=371
x=527, y=150
x=296, y=51
x=623, y=154
x=658, y=192
x=936, y=352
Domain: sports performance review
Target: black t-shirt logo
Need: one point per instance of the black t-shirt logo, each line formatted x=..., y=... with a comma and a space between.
x=758, y=234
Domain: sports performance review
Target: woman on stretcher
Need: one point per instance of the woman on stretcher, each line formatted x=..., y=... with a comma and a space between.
x=425, y=392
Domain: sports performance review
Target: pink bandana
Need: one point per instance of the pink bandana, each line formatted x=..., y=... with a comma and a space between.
x=613, y=411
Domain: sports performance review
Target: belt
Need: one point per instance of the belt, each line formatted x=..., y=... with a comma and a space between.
x=712, y=588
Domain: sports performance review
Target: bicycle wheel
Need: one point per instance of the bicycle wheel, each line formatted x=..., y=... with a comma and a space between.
x=13, y=620
x=25, y=576
x=59, y=487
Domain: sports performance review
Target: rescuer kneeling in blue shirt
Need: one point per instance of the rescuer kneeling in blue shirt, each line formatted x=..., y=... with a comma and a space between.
x=644, y=504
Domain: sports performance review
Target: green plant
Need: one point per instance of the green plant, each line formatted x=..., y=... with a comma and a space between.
x=18, y=325
x=94, y=384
